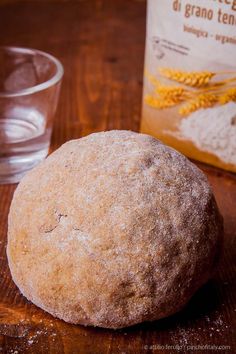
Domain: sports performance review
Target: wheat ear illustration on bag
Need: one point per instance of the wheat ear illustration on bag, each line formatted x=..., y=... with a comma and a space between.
x=197, y=90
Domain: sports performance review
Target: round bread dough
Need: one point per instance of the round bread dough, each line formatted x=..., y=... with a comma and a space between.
x=113, y=229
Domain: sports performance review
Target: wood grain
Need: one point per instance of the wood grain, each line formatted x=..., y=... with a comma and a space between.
x=101, y=44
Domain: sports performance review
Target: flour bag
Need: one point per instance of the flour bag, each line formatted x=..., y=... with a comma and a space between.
x=189, y=97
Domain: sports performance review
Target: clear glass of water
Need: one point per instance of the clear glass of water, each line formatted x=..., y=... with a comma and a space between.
x=29, y=88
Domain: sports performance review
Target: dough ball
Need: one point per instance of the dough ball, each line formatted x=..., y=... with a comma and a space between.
x=113, y=229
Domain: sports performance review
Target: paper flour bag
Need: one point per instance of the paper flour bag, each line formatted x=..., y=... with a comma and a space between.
x=189, y=98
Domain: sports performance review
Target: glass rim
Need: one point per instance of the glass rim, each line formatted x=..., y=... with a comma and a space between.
x=39, y=87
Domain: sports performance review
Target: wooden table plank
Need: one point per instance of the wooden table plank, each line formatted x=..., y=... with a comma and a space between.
x=101, y=44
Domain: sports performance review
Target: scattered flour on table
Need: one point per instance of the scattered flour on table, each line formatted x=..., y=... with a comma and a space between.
x=194, y=333
x=213, y=130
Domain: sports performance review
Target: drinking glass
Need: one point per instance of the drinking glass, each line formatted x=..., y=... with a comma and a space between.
x=29, y=88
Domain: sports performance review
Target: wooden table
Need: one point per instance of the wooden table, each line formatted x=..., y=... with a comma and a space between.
x=101, y=44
